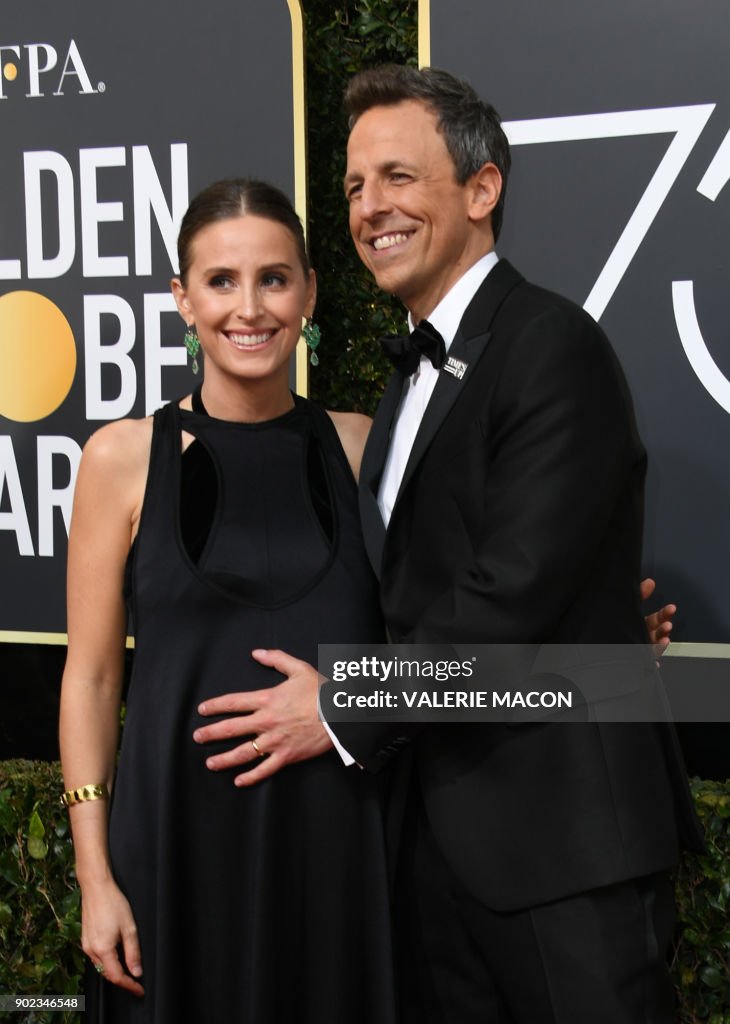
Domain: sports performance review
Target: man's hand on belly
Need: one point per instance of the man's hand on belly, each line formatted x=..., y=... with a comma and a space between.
x=282, y=720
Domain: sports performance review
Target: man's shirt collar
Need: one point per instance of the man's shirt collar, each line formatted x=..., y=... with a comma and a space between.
x=447, y=315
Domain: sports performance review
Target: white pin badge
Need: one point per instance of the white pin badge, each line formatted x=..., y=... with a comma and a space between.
x=456, y=367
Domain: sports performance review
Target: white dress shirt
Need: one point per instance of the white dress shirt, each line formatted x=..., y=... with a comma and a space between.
x=446, y=318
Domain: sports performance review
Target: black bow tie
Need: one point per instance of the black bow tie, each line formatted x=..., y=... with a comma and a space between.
x=405, y=350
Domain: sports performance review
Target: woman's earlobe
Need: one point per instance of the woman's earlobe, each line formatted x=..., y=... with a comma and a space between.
x=181, y=301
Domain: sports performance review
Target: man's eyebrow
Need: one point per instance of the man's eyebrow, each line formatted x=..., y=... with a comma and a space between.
x=385, y=168
x=392, y=164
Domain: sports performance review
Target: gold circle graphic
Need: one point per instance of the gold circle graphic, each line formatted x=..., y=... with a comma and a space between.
x=37, y=356
x=11, y=72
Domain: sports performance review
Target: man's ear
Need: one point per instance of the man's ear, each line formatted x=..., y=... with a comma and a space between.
x=181, y=300
x=485, y=187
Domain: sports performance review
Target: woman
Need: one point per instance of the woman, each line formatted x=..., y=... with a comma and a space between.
x=233, y=514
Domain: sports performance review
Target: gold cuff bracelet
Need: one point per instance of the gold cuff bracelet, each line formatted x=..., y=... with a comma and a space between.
x=83, y=793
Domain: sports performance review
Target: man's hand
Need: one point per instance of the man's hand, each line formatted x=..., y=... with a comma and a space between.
x=658, y=624
x=282, y=719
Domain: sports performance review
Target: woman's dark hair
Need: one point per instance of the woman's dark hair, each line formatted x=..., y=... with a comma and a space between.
x=235, y=197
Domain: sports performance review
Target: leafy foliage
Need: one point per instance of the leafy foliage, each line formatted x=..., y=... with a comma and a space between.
x=701, y=964
x=39, y=903
x=352, y=312
x=39, y=900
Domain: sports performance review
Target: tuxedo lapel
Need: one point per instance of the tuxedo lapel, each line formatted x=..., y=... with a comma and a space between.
x=444, y=395
x=371, y=470
x=467, y=348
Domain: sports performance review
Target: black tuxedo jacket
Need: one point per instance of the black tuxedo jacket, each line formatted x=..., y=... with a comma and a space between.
x=519, y=520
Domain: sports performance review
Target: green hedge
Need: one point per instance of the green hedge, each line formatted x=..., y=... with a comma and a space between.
x=40, y=929
x=39, y=905
x=701, y=963
x=352, y=313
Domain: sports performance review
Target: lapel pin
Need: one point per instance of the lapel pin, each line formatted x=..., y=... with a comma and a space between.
x=456, y=367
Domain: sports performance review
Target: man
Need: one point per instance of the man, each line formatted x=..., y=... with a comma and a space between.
x=501, y=498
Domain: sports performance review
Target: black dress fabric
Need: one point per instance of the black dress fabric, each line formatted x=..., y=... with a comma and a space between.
x=266, y=905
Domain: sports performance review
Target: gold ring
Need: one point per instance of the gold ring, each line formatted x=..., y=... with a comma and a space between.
x=255, y=746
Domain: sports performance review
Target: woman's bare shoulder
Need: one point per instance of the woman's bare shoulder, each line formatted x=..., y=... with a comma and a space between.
x=352, y=429
x=122, y=445
x=112, y=478
x=114, y=464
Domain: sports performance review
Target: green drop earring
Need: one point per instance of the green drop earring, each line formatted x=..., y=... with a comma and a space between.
x=312, y=336
x=192, y=344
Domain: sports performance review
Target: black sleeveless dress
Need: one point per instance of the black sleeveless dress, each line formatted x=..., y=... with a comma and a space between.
x=266, y=905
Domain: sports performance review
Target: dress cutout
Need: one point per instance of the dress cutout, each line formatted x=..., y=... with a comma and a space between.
x=254, y=906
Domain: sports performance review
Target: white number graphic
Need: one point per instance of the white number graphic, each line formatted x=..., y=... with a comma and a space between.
x=709, y=373
x=686, y=123
x=685, y=314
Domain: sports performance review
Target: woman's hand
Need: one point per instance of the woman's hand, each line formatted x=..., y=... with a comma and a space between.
x=106, y=923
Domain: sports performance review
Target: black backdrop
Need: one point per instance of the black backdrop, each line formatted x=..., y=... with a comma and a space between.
x=111, y=116
x=641, y=97
x=141, y=105
x=619, y=115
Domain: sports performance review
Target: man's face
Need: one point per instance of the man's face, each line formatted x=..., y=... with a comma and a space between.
x=409, y=218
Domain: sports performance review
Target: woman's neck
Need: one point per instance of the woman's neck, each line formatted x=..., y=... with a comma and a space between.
x=247, y=402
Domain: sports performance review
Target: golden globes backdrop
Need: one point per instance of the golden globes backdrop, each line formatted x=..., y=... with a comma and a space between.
x=111, y=117
x=619, y=117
